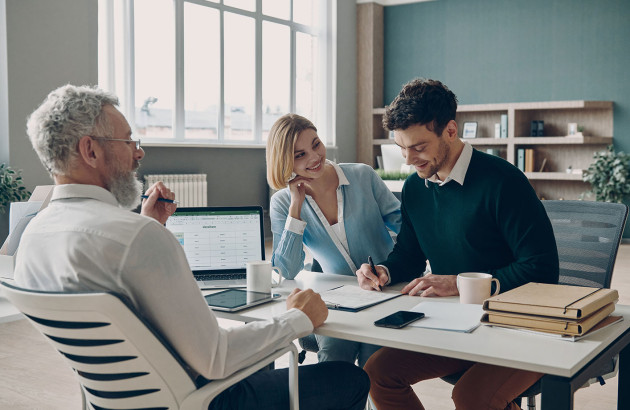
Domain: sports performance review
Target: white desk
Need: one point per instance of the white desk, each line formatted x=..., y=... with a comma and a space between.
x=567, y=365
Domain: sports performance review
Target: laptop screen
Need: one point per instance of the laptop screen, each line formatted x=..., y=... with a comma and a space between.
x=219, y=239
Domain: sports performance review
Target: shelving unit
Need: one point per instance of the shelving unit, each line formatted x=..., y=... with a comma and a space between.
x=561, y=151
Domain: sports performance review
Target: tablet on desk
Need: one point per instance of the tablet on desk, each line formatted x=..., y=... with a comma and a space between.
x=233, y=300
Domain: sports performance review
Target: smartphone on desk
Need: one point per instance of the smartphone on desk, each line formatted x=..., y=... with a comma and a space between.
x=399, y=319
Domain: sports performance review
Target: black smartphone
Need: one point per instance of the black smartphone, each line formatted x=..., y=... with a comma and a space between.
x=399, y=319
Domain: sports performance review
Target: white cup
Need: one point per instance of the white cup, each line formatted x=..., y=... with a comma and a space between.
x=474, y=287
x=260, y=277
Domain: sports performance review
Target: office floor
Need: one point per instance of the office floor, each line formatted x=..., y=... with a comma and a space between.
x=33, y=376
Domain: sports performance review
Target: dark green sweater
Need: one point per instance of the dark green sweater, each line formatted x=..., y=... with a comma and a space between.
x=493, y=223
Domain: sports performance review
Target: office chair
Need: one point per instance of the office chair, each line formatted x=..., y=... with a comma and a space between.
x=121, y=362
x=587, y=236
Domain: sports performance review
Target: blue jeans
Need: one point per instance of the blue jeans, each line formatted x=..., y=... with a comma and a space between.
x=330, y=385
x=333, y=349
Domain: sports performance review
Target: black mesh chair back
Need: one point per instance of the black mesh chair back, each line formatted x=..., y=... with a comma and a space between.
x=587, y=236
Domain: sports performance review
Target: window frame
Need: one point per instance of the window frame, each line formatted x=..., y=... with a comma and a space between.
x=117, y=68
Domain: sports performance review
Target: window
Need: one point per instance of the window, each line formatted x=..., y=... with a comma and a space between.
x=217, y=72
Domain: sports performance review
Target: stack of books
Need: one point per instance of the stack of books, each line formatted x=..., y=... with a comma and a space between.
x=557, y=309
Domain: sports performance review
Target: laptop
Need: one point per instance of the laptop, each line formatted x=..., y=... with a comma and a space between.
x=219, y=241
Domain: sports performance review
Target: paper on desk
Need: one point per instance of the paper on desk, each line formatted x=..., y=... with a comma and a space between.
x=458, y=317
x=610, y=320
x=353, y=297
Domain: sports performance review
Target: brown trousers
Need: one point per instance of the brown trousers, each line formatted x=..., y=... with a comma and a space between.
x=483, y=386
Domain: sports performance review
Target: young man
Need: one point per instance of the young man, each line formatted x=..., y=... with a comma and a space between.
x=464, y=211
x=87, y=240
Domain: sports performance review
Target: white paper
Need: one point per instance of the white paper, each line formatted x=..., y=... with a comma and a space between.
x=354, y=297
x=554, y=335
x=458, y=317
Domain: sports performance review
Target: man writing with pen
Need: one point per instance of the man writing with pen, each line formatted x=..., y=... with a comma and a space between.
x=463, y=211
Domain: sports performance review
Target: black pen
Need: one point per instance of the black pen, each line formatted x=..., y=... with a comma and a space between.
x=371, y=262
x=170, y=201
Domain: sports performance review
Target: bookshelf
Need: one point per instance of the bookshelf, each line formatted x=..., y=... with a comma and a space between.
x=560, y=151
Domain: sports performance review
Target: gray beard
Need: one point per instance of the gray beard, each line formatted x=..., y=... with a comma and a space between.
x=126, y=189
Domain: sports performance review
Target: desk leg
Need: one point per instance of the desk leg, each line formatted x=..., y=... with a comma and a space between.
x=623, y=388
x=556, y=393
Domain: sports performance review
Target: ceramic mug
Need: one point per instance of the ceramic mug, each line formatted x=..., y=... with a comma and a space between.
x=260, y=276
x=475, y=287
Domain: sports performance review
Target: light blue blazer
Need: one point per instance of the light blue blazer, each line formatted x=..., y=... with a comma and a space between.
x=369, y=209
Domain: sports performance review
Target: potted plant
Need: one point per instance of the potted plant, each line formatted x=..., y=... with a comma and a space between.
x=11, y=187
x=609, y=175
x=11, y=190
x=392, y=175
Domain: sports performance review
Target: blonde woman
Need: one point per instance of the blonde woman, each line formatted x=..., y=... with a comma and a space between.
x=342, y=213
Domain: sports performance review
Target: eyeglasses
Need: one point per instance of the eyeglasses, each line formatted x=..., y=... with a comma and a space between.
x=137, y=142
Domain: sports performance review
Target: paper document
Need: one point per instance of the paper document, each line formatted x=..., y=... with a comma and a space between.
x=353, y=298
x=610, y=320
x=456, y=317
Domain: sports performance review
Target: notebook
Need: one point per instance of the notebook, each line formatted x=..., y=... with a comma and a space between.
x=219, y=241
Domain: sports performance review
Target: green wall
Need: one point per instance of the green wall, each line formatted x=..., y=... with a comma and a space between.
x=493, y=51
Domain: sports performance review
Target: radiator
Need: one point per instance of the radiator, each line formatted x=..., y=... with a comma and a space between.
x=189, y=189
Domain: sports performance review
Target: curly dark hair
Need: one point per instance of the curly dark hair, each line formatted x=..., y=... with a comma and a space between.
x=424, y=102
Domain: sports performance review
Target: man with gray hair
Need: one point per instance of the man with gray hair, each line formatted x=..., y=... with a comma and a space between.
x=87, y=240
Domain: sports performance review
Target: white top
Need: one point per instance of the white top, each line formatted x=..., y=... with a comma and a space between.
x=83, y=241
x=336, y=232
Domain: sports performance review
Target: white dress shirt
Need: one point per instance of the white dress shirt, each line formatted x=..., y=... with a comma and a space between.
x=84, y=242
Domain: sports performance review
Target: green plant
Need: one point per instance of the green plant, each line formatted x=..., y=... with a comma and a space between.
x=392, y=175
x=609, y=175
x=11, y=187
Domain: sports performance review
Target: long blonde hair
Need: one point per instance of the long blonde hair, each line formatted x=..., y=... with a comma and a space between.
x=280, y=147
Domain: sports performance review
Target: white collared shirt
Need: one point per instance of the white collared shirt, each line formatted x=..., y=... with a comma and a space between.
x=458, y=173
x=84, y=242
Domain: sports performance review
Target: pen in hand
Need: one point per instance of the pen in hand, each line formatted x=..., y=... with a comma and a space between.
x=371, y=262
x=170, y=201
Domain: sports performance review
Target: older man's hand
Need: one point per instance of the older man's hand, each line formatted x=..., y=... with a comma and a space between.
x=158, y=210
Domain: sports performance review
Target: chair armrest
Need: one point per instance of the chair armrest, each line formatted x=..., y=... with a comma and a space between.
x=201, y=398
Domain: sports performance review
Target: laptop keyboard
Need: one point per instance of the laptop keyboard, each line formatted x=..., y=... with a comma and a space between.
x=222, y=276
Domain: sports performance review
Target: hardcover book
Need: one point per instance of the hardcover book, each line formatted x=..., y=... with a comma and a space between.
x=520, y=159
x=544, y=299
x=529, y=160
x=504, y=125
x=574, y=327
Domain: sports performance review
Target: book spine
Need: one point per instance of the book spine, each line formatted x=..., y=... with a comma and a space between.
x=504, y=125
x=520, y=159
x=541, y=129
x=533, y=130
x=529, y=160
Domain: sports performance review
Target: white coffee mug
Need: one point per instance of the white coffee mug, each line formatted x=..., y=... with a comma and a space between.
x=475, y=287
x=260, y=276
